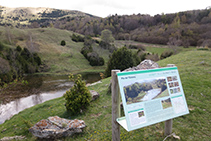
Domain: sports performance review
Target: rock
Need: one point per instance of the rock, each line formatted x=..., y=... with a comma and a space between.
x=12, y=138
x=94, y=94
x=146, y=64
x=56, y=127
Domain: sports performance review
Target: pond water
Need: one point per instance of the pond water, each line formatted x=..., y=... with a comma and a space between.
x=151, y=94
x=39, y=90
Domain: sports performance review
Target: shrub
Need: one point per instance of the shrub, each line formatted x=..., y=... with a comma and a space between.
x=37, y=59
x=78, y=97
x=166, y=54
x=18, y=48
x=139, y=47
x=86, y=49
x=202, y=48
x=94, y=59
x=63, y=43
x=77, y=38
x=90, y=55
x=107, y=46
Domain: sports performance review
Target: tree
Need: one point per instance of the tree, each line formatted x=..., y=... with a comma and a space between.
x=63, y=43
x=106, y=36
x=78, y=97
x=121, y=59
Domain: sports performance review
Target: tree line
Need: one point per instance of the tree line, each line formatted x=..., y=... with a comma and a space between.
x=190, y=28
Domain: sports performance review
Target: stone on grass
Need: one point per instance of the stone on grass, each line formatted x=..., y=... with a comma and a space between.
x=56, y=127
x=94, y=95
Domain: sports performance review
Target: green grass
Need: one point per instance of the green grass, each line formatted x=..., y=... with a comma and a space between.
x=152, y=48
x=46, y=42
x=195, y=73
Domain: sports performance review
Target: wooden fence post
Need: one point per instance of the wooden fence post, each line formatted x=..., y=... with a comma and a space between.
x=115, y=106
x=168, y=127
x=168, y=123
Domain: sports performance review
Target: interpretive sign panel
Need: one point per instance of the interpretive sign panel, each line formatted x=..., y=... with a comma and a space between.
x=151, y=96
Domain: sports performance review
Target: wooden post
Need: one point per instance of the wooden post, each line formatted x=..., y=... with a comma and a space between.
x=115, y=106
x=168, y=127
x=168, y=123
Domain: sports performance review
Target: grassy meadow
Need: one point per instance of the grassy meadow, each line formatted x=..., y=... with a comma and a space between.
x=195, y=73
x=46, y=42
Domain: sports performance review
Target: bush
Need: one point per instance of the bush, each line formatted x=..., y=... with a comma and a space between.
x=77, y=38
x=37, y=59
x=94, y=59
x=86, y=49
x=78, y=97
x=166, y=54
x=63, y=43
x=139, y=47
x=91, y=56
x=107, y=46
x=18, y=49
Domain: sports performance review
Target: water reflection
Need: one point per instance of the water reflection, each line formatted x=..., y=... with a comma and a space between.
x=14, y=107
x=39, y=90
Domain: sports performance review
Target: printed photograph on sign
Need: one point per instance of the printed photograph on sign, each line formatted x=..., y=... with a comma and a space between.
x=144, y=90
x=166, y=103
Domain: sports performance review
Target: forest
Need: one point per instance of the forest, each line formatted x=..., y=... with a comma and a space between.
x=188, y=28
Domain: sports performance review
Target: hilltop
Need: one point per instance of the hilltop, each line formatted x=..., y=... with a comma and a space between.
x=23, y=16
x=187, y=28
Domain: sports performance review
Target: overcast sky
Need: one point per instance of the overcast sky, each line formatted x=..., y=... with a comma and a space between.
x=104, y=8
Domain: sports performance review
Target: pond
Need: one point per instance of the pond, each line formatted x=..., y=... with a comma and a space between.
x=38, y=90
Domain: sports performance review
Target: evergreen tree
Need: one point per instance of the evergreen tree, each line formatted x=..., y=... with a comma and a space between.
x=121, y=59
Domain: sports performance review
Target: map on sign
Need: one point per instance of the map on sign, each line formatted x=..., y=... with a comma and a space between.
x=151, y=96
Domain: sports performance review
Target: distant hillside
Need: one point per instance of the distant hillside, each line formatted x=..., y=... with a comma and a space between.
x=187, y=28
x=46, y=42
x=23, y=16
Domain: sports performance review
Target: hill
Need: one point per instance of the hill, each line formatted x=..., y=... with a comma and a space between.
x=46, y=42
x=24, y=16
x=195, y=73
x=187, y=28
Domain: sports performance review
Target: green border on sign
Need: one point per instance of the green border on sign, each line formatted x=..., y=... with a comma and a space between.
x=146, y=71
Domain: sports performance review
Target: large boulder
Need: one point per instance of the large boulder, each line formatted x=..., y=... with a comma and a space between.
x=56, y=127
x=144, y=65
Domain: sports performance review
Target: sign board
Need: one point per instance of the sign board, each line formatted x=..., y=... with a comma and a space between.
x=150, y=96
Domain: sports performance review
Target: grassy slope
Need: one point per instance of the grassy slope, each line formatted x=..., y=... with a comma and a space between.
x=195, y=72
x=46, y=41
x=153, y=48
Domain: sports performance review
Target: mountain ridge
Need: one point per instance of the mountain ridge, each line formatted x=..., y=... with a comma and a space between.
x=24, y=15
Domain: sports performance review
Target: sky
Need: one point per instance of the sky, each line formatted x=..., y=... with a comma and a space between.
x=104, y=8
